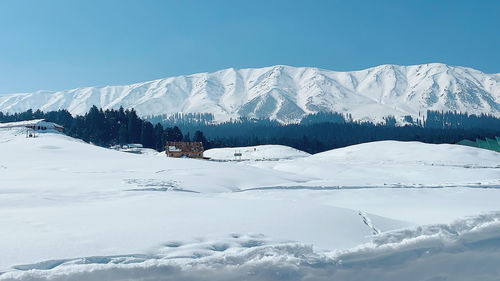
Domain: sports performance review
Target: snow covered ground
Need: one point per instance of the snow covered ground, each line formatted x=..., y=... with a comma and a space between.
x=397, y=164
x=256, y=153
x=377, y=211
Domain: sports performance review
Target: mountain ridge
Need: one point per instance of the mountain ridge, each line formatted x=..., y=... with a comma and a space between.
x=286, y=93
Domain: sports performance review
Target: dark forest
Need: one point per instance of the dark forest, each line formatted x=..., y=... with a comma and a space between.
x=315, y=133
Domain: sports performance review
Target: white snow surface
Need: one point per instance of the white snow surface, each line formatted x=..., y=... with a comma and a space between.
x=466, y=249
x=73, y=211
x=393, y=164
x=256, y=153
x=287, y=93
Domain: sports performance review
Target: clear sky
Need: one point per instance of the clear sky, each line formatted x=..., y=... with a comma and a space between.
x=65, y=44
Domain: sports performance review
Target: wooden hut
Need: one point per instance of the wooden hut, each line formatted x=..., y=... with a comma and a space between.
x=180, y=149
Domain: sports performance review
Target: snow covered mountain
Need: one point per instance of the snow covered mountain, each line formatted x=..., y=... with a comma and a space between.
x=287, y=93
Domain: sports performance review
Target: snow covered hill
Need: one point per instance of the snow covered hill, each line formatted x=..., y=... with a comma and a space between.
x=259, y=153
x=287, y=93
x=74, y=211
x=57, y=161
x=396, y=164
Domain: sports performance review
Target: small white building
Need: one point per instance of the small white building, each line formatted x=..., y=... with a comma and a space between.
x=36, y=125
x=132, y=145
x=131, y=148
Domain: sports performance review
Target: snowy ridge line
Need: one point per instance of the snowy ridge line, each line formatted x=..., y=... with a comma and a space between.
x=287, y=93
x=258, y=258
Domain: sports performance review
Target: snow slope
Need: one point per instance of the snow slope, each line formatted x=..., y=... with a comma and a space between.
x=287, y=93
x=260, y=152
x=73, y=211
x=98, y=201
x=54, y=158
x=395, y=164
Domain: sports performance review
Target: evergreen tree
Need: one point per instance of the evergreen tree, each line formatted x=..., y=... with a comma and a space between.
x=199, y=137
x=173, y=134
x=147, y=135
x=159, y=137
x=133, y=126
x=96, y=127
x=123, y=134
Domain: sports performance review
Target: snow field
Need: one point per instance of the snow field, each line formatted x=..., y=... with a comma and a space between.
x=73, y=211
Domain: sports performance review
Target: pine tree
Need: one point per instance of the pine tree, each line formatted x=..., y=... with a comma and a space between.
x=159, y=137
x=123, y=134
x=174, y=134
x=200, y=137
x=147, y=135
x=133, y=127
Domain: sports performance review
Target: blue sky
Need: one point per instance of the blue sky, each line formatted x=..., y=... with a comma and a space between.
x=66, y=44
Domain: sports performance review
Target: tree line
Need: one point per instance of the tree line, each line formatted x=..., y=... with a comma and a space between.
x=108, y=127
x=316, y=133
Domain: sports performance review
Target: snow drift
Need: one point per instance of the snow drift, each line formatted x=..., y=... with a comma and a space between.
x=467, y=249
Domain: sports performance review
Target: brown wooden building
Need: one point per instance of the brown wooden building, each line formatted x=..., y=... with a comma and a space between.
x=180, y=149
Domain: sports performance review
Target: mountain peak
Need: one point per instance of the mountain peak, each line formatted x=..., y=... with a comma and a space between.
x=287, y=93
